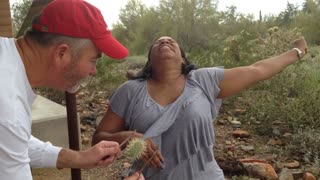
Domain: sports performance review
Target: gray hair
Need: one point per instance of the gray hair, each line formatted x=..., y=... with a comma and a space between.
x=47, y=39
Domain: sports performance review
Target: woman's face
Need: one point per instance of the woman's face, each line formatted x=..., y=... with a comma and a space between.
x=166, y=49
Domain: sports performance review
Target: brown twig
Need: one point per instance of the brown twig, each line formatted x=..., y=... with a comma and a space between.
x=148, y=161
x=127, y=139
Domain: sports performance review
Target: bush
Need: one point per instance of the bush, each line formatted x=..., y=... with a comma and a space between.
x=307, y=143
x=111, y=74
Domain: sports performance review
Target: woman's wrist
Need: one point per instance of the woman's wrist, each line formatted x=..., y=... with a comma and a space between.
x=299, y=53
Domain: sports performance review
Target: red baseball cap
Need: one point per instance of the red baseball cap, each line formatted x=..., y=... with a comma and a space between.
x=79, y=19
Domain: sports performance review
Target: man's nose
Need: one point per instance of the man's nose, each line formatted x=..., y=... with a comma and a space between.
x=93, y=71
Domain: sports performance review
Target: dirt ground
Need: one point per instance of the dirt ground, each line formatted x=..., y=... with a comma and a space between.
x=223, y=133
x=227, y=147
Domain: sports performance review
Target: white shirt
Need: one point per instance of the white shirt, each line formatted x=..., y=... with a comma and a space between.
x=18, y=148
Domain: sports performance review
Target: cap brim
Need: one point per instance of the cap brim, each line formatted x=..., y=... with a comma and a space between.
x=111, y=47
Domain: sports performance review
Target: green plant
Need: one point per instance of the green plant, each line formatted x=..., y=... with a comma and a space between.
x=121, y=166
x=307, y=143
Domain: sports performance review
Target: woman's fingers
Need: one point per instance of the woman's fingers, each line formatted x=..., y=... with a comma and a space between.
x=153, y=156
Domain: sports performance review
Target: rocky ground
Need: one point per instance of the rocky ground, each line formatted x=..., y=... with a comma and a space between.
x=240, y=152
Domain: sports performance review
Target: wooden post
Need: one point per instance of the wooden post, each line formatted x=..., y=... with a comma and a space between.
x=5, y=19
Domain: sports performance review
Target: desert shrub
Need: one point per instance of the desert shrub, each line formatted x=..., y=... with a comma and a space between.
x=307, y=143
x=111, y=74
x=52, y=94
x=292, y=97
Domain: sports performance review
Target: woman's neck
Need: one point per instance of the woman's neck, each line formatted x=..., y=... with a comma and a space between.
x=167, y=77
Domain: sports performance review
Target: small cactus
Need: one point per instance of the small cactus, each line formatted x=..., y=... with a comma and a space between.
x=134, y=151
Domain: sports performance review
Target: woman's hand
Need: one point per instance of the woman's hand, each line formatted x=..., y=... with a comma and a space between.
x=152, y=155
x=135, y=176
x=301, y=44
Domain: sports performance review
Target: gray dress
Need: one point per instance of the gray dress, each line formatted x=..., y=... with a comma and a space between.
x=183, y=130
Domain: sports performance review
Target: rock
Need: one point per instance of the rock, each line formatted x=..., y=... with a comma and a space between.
x=230, y=165
x=85, y=140
x=292, y=165
x=276, y=132
x=252, y=160
x=230, y=153
x=285, y=175
x=308, y=176
x=287, y=135
x=98, y=120
x=238, y=112
x=88, y=120
x=240, y=133
x=274, y=142
x=221, y=122
x=247, y=148
x=229, y=147
x=296, y=173
x=260, y=170
x=83, y=128
x=235, y=124
x=314, y=170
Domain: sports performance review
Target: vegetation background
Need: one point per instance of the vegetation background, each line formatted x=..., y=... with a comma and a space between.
x=229, y=39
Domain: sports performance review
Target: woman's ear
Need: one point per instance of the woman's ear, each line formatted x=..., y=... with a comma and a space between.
x=183, y=60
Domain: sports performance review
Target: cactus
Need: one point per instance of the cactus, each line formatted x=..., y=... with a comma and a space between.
x=134, y=151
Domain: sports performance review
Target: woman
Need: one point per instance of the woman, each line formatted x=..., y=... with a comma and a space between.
x=174, y=105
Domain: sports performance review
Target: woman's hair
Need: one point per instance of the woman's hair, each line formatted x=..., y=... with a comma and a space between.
x=146, y=72
x=47, y=39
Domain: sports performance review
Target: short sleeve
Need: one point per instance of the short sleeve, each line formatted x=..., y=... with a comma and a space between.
x=209, y=79
x=120, y=98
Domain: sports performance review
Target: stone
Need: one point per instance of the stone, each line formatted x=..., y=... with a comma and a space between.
x=308, y=176
x=274, y=142
x=287, y=135
x=85, y=140
x=292, y=165
x=285, y=175
x=260, y=170
x=247, y=148
x=98, y=120
x=240, y=133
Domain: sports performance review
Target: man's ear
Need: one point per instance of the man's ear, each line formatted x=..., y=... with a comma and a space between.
x=62, y=54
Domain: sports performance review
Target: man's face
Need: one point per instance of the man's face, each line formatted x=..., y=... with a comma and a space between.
x=80, y=68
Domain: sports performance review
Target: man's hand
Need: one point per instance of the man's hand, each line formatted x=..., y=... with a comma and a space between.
x=101, y=154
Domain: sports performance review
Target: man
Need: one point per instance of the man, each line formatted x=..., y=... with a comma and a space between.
x=59, y=50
